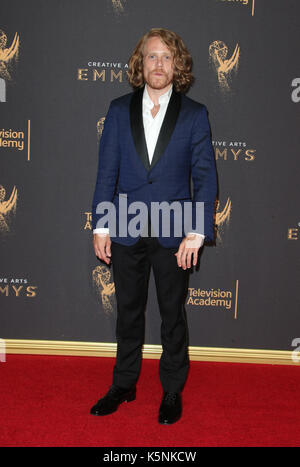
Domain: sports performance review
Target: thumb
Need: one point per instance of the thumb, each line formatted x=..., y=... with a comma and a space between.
x=107, y=249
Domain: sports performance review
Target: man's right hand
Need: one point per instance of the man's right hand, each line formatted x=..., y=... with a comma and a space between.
x=102, y=246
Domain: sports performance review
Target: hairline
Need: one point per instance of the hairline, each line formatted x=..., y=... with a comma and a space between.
x=151, y=35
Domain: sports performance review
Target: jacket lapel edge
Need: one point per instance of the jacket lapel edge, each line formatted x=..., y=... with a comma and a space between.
x=137, y=127
x=167, y=127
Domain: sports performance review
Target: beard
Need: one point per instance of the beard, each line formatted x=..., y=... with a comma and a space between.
x=158, y=82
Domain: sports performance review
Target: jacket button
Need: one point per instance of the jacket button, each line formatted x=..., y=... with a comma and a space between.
x=150, y=181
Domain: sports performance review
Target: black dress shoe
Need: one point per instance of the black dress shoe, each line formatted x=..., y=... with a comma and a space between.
x=113, y=398
x=170, y=409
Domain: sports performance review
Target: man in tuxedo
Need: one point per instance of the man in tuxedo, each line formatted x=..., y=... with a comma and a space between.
x=155, y=142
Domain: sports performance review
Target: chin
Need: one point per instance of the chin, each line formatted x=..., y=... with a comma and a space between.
x=157, y=84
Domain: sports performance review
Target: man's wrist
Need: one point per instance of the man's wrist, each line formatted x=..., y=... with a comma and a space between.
x=101, y=231
x=197, y=238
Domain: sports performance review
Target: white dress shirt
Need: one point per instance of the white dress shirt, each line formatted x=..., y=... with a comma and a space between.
x=152, y=125
x=152, y=128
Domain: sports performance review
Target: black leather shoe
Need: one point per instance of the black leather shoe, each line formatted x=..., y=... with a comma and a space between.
x=170, y=409
x=113, y=398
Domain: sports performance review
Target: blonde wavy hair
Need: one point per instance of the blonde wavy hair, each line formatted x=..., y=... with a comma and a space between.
x=183, y=62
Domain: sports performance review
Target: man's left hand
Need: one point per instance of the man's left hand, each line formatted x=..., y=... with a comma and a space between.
x=188, y=248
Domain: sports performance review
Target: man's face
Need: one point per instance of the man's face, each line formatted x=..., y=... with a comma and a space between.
x=158, y=64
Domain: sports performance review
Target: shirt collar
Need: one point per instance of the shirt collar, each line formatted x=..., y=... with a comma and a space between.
x=163, y=99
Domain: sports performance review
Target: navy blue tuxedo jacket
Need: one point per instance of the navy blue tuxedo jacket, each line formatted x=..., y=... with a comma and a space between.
x=182, y=169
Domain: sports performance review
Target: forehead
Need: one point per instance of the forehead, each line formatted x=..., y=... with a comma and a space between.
x=155, y=44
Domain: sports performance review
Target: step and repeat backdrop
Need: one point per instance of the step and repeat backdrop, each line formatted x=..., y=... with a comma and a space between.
x=61, y=63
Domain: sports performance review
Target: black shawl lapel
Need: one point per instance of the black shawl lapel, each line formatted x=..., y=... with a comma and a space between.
x=167, y=128
x=137, y=127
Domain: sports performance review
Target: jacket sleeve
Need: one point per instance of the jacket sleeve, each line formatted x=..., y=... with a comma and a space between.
x=108, y=164
x=204, y=174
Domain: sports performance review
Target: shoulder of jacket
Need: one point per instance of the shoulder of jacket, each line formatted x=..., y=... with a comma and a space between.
x=193, y=104
x=122, y=100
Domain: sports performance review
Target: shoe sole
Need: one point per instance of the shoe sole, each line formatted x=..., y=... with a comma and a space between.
x=165, y=422
x=127, y=399
x=168, y=423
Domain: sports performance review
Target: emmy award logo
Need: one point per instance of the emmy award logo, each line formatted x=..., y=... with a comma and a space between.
x=224, y=67
x=118, y=6
x=100, y=126
x=7, y=55
x=7, y=207
x=222, y=217
x=104, y=287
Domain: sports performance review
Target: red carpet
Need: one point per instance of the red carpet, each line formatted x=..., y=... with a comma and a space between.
x=45, y=401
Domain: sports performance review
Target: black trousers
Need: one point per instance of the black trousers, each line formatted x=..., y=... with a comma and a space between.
x=131, y=270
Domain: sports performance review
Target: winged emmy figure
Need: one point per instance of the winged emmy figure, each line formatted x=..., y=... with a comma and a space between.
x=6, y=207
x=106, y=289
x=7, y=54
x=218, y=52
x=222, y=216
x=118, y=5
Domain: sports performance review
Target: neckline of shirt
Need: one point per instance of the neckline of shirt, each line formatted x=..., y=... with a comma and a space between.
x=163, y=99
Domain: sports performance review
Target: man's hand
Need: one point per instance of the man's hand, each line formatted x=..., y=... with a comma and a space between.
x=102, y=244
x=189, y=247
